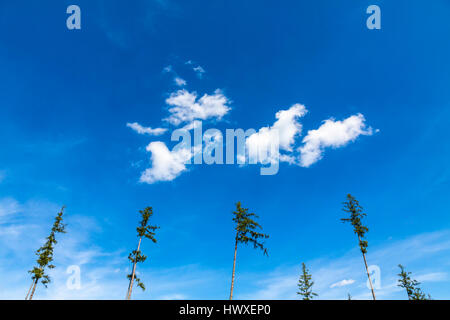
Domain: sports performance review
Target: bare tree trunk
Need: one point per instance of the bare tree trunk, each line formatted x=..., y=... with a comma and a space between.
x=34, y=289
x=29, y=290
x=130, y=286
x=368, y=274
x=234, y=268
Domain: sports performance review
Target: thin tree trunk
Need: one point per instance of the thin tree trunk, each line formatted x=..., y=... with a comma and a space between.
x=368, y=275
x=234, y=268
x=29, y=290
x=34, y=289
x=130, y=287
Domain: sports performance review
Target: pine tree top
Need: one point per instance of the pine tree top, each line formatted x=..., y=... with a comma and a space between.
x=410, y=285
x=353, y=207
x=147, y=231
x=246, y=228
x=305, y=284
x=45, y=252
x=144, y=229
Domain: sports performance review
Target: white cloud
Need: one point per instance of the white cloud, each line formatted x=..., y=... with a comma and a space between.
x=342, y=283
x=185, y=107
x=166, y=164
x=282, y=133
x=146, y=130
x=168, y=68
x=287, y=126
x=331, y=134
x=9, y=206
x=199, y=71
x=433, y=277
x=179, y=81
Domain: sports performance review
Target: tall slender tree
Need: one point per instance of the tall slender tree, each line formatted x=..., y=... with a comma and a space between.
x=410, y=285
x=45, y=256
x=246, y=231
x=356, y=214
x=305, y=284
x=144, y=230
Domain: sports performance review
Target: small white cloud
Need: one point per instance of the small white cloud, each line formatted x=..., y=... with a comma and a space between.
x=199, y=71
x=342, y=283
x=185, y=107
x=179, y=81
x=168, y=69
x=166, y=164
x=331, y=134
x=146, y=130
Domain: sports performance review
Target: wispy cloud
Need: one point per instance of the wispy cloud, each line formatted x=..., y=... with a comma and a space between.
x=146, y=130
x=168, y=69
x=8, y=207
x=432, y=277
x=199, y=71
x=179, y=81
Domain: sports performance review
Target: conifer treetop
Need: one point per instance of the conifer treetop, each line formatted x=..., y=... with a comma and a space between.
x=410, y=285
x=305, y=284
x=246, y=228
x=45, y=253
x=356, y=214
x=144, y=229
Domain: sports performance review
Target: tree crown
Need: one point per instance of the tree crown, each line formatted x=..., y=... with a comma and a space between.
x=356, y=214
x=246, y=228
x=45, y=253
x=144, y=229
x=147, y=231
x=410, y=285
x=305, y=284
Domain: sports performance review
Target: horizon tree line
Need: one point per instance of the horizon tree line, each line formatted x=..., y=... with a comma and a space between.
x=247, y=231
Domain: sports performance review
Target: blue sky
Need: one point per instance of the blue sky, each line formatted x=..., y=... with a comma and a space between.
x=66, y=97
